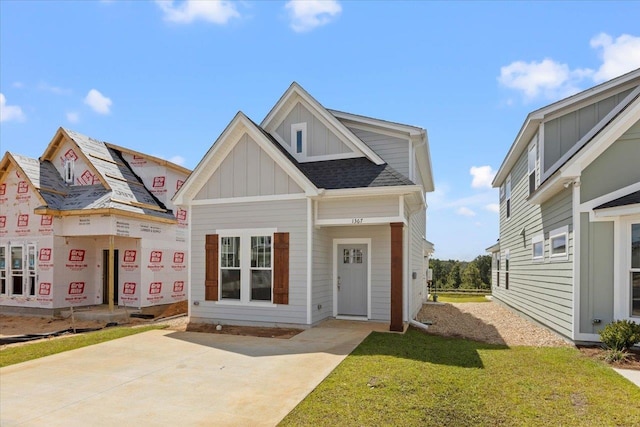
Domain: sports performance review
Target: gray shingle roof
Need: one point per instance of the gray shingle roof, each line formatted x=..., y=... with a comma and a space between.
x=629, y=199
x=358, y=172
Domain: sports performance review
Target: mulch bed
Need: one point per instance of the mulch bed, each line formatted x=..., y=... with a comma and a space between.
x=594, y=352
x=253, y=331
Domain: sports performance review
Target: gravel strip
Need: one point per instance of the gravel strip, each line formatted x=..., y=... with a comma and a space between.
x=487, y=322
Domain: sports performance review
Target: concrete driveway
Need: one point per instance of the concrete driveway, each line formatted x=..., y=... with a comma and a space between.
x=161, y=378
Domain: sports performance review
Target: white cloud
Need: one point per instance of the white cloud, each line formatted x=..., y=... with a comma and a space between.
x=552, y=79
x=73, y=117
x=187, y=11
x=493, y=207
x=465, y=211
x=10, y=112
x=618, y=57
x=53, y=89
x=548, y=78
x=98, y=102
x=18, y=85
x=309, y=14
x=482, y=176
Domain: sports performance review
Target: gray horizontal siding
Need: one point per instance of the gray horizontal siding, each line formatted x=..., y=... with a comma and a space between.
x=394, y=151
x=361, y=207
x=417, y=228
x=287, y=216
x=542, y=290
x=322, y=275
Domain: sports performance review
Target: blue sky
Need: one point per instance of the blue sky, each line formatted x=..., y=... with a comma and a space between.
x=165, y=78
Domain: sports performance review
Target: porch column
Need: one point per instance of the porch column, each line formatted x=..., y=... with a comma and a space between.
x=396, y=276
x=110, y=270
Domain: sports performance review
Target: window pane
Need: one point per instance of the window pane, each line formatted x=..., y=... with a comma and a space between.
x=230, y=284
x=230, y=253
x=635, y=286
x=261, y=251
x=346, y=256
x=635, y=246
x=31, y=264
x=537, y=250
x=357, y=256
x=532, y=182
x=16, y=258
x=299, y=141
x=2, y=258
x=261, y=285
x=559, y=245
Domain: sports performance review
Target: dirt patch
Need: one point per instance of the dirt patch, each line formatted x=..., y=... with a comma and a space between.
x=23, y=325
x=487, y=322
x=632, y=362
x=166, y=310
x=253, y=331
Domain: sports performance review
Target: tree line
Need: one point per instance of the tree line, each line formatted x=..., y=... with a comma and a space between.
x=454, y=274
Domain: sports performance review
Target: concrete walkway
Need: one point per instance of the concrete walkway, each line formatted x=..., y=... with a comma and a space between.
x=161, y=378
x=631, y=375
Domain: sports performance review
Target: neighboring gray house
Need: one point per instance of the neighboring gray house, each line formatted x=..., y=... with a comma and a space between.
x=312, y=214
x=569, y=249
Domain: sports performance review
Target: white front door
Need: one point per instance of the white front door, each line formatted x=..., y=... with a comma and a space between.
x=352, y=280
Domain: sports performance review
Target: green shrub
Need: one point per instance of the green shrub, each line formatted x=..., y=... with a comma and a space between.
x=620, y=335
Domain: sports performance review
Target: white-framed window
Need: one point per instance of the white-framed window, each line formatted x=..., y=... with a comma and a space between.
x=498, y=269
x=634, y=270
x=246, y=265
x=532, y=158
x=537, y=248
x=299, y=138
x=68, y=170
x=559, y=243
x=507, y=256
x=507, y=195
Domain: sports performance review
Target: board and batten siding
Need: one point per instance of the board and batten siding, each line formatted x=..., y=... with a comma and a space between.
x=359, y=207
x=322, y=273
x=321, y=141
x=540, y=289
x=247, y=171
x=286, y=216
x=596, y=274
x=394, y=151
x=562, y=133
x=617, y=167
x=380, y=236
x=417, y=264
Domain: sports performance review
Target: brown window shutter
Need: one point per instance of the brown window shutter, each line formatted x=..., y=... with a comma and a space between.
x=281, y=268
x=211, y=268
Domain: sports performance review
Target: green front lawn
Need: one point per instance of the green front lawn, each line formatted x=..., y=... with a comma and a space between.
x=461, y=298
x=423, y=380
x=33, y=350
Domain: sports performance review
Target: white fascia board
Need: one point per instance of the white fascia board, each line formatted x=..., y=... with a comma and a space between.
x=423, y=156
x=378, y=123
x=295, y=90
x=493, y=248
x=617, y=211
x=527, y=131
x=372, y=191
